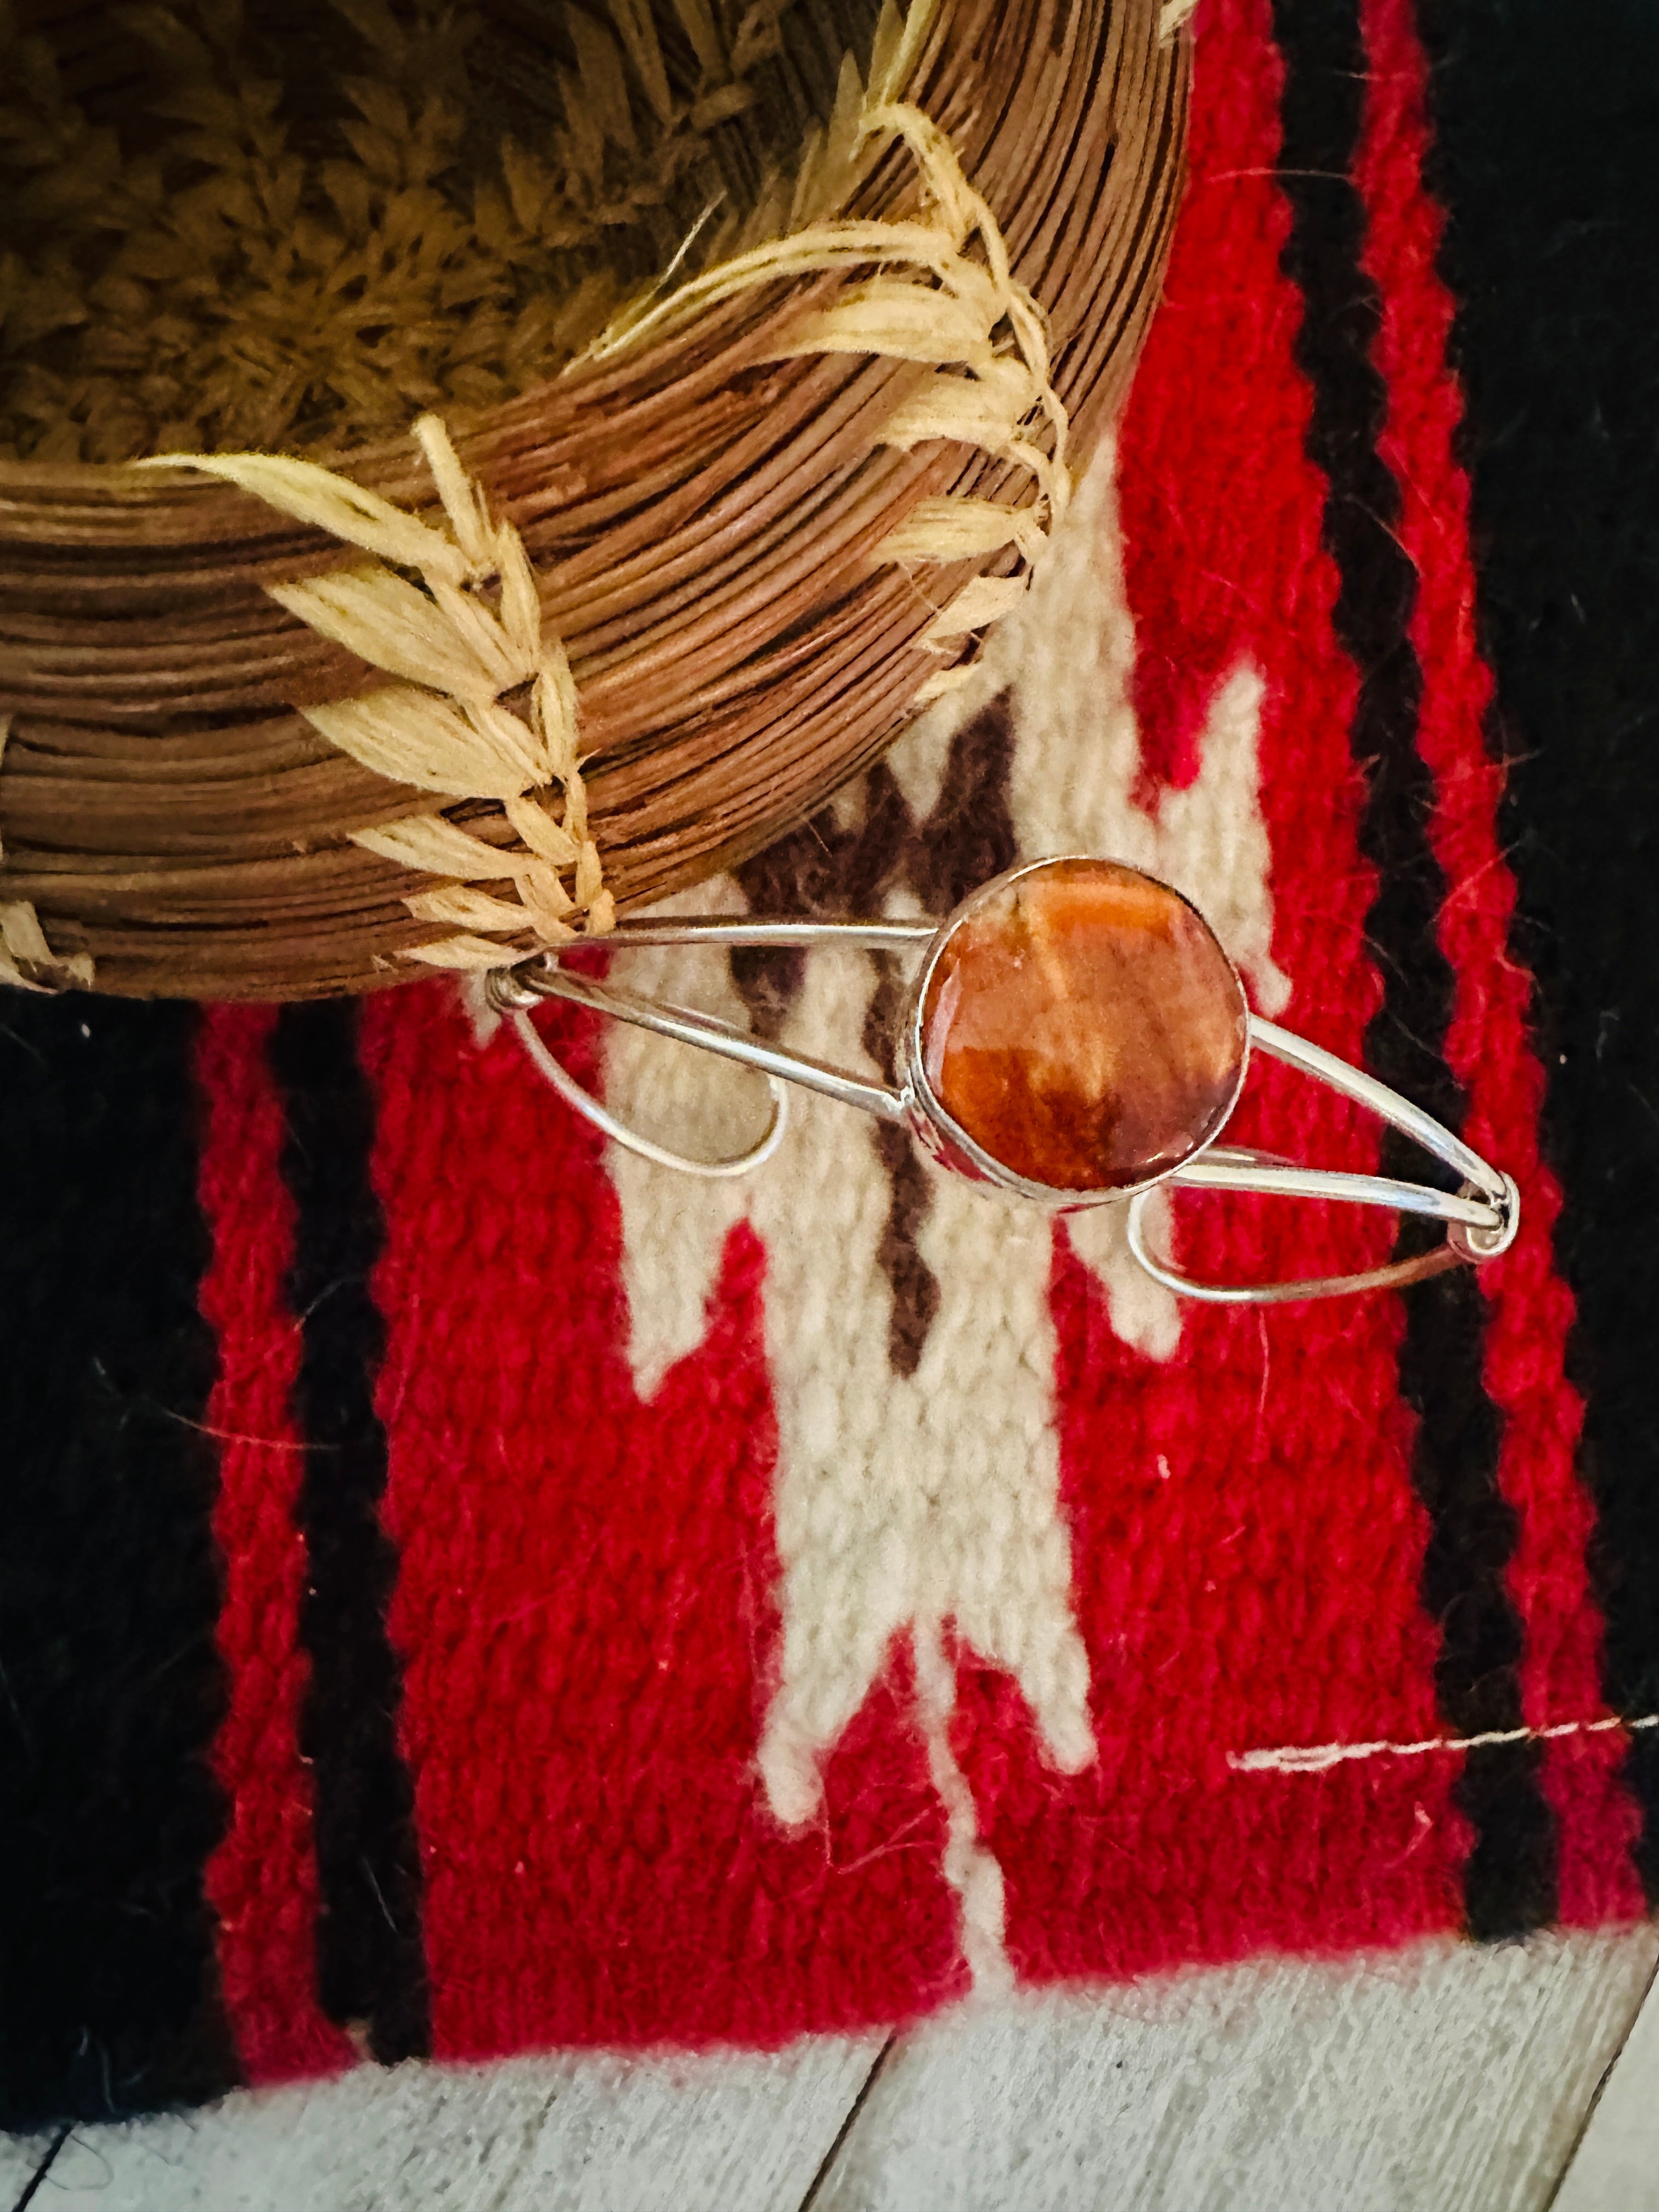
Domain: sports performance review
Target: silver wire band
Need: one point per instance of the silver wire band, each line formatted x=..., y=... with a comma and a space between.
x=750, y=931
x=1481, y=1218
x=1388, y=1105
x=687, y=1026
x=1223, y=1170
x=647, y=1148
x=1394, y=1275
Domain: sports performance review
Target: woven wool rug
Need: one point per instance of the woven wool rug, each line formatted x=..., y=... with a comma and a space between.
x=463, y=1590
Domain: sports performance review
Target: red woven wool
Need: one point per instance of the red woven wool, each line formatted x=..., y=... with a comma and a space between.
x=1487, y=1045
x=468, y=1590
x=262, y=1881
x=1247, y=1548
x=668, y=1611
x=586, y=1602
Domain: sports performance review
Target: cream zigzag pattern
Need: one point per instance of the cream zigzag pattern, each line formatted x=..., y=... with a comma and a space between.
x=916, y=1507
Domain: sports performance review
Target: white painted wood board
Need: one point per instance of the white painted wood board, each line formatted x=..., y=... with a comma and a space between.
x=593, y=2133
x=1616, y=2168
x=1441, y=2079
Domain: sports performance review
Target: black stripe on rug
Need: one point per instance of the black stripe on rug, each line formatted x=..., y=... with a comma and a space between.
x=1547, y=123
x=371, y=1975
x=1509, y=1879
x=110, y=1687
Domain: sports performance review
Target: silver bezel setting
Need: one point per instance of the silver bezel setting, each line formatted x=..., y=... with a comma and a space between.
x=933, y=1121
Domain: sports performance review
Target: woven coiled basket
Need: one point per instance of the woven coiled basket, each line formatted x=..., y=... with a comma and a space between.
x=642, y=458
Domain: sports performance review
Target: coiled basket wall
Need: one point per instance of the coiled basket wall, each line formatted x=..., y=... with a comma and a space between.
x=461, y=477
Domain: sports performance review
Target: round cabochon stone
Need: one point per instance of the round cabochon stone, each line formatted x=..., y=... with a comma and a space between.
x=1084, y=1027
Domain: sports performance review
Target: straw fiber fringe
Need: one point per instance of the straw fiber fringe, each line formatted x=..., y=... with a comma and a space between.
x=26, y=958
x=773, y=500
x=471, y=632
x=1002, y=401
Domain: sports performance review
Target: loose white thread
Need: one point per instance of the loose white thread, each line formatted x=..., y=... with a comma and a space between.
x=970, y=1869
x=1319, y=1758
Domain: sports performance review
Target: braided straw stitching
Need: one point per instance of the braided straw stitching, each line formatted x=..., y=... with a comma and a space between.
x=458, y=646
x=475, y=632
x=1000, y=405
x=931, y=303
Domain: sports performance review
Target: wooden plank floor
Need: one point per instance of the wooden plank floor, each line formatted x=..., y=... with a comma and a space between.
x=1441, y=2079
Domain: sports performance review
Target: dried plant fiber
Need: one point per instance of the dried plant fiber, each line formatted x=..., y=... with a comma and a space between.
x=460, y=478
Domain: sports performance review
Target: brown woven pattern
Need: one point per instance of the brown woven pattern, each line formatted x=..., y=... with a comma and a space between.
x=703, y=521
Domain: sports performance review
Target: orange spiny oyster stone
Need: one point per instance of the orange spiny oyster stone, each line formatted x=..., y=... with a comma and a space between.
x=1084, y=1027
